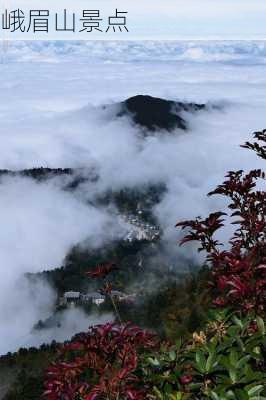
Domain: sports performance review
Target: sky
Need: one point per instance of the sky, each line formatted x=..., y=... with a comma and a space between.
x=168, y=19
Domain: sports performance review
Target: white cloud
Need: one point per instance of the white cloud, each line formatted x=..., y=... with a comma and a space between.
x=46, y=120
x=39, y=225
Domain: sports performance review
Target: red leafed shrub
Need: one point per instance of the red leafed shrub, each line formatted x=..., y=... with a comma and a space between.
x=239, y=274
x=100, y=364
x=102, y=270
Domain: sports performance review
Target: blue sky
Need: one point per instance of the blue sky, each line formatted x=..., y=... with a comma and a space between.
x=167, y=19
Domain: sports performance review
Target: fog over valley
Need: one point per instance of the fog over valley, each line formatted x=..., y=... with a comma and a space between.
x=62, y=107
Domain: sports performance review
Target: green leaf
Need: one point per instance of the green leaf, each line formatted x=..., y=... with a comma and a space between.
x=261, y=325
x=230, y=395
x=158, y=393
x=154, y=361
x=257, y=398
x=255, y=390
x=210, y=362
x=176, y=396
x=240, y=343
x=233, y=375
x=172, y=355
x=200, y=361
x=243, y=361
x=168, y=388
x=242, y=394
x=178, y=344
x=214, y=396
x=256, y=350
x=233, y=330
x=195, y=386
x=238, y=322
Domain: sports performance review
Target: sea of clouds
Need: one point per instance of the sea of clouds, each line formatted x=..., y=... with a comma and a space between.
x=238, y=52
x=51, y=115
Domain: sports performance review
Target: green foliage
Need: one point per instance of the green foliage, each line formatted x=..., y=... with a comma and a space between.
x=72, y=275
x=225, y=361
x=26, y=387
x=177, y=308
x=27, y=368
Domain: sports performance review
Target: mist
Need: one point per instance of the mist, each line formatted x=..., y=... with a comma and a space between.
x=40, y=222
x=52, y=115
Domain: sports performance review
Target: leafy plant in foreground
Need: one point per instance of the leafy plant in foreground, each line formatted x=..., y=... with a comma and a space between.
x=225, y=361
x=100, y=364
x=239, y=274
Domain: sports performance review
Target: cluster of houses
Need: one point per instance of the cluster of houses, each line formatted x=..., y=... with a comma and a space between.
x=141, y=230
x=76, y=298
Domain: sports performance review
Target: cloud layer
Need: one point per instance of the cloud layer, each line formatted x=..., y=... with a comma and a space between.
x=51, y=115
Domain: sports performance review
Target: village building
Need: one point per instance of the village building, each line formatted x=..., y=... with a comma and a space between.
x=70, y=298
x=140, y=230
x=94, y=297
x=76, y=298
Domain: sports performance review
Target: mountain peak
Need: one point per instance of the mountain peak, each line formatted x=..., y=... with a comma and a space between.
x=155, y=113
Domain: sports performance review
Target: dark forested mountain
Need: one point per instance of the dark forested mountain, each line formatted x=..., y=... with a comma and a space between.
x=153, y=113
